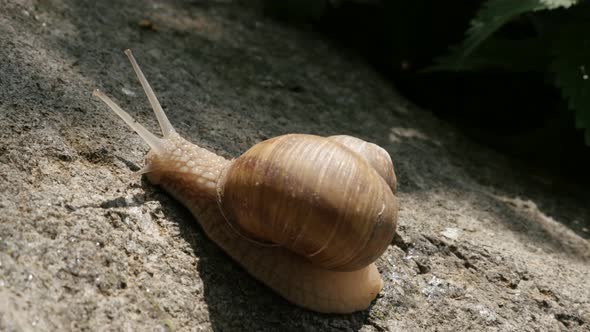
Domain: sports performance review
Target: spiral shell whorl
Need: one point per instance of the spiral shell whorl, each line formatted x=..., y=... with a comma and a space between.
x=313, y=196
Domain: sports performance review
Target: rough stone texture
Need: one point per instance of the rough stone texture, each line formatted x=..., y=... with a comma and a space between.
x=484, y=243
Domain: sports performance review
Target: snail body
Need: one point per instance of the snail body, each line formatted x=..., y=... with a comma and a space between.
x=304, y=214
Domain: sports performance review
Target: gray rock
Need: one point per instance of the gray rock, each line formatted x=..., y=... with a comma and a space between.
x=86, y=246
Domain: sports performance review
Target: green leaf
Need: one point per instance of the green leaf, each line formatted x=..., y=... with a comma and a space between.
x=492, y=16
x=554, y=4
x=571, y=66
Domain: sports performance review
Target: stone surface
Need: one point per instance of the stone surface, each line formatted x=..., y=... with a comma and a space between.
x=484, y=242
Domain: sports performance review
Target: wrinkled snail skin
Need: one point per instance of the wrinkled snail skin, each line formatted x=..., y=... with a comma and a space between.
x=273, y=194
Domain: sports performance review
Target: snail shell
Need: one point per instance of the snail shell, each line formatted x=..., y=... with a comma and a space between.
x=313, y=196
x=304, y=214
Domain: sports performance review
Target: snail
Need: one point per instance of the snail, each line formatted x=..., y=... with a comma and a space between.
x=306, y=215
